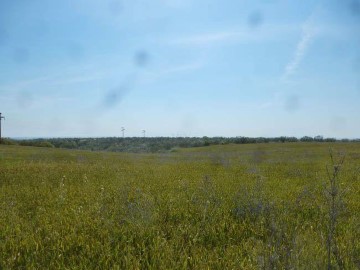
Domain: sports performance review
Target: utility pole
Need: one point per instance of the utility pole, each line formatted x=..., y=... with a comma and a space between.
x=123, y=132
x=1, y=118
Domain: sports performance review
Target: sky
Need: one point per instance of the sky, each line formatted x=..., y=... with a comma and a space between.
x=87, y=68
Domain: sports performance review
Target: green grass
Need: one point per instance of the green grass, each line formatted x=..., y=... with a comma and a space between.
x=259, y=206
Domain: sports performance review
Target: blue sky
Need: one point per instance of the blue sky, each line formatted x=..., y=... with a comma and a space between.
x=180, y=68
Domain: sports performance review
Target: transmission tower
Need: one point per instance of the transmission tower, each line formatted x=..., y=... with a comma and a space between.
x=1, y=118
x=143, y=132
x=123, y=132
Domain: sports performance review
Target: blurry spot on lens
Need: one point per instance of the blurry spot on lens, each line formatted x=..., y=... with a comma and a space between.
x=337, y=123
x=3, y=36
x=115, y=7
x=355, y=7
x=356, y=64
x=75, y=51
x=24, y=99
x=255, y=19
x=292, y=103
x=141, y=58
x=20, y=55
x=115, y=96
x=41, y=28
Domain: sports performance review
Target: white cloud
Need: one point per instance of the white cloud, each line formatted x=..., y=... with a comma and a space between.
x=309, y=32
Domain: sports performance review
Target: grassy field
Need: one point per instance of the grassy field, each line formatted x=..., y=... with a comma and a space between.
x=255, y=206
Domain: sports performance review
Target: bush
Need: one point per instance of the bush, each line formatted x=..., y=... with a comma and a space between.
x=7, y=141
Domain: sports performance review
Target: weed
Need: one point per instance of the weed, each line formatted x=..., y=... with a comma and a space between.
x=334, y=196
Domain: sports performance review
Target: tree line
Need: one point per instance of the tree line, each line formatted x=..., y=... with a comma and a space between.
x=158, y=144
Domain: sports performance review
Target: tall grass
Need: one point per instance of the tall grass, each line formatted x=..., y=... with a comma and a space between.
x=205, y=208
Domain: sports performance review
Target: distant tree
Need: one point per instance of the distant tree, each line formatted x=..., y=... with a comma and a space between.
x=307, y=139
x=318, y=138
x=206, y=141
x=292, y=139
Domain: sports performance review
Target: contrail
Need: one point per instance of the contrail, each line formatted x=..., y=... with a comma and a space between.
x=308, y=35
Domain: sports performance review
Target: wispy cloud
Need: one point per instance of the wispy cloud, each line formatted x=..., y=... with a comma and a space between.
x=20, y=85
x=51, y=80
x=205, y=39
x=309, y=32
x=240, y=35
x=181, y=68
x=273, y=102
x=78, y=79
x=150, y=76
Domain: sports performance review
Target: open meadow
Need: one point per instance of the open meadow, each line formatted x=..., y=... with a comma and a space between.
x=254, y=206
